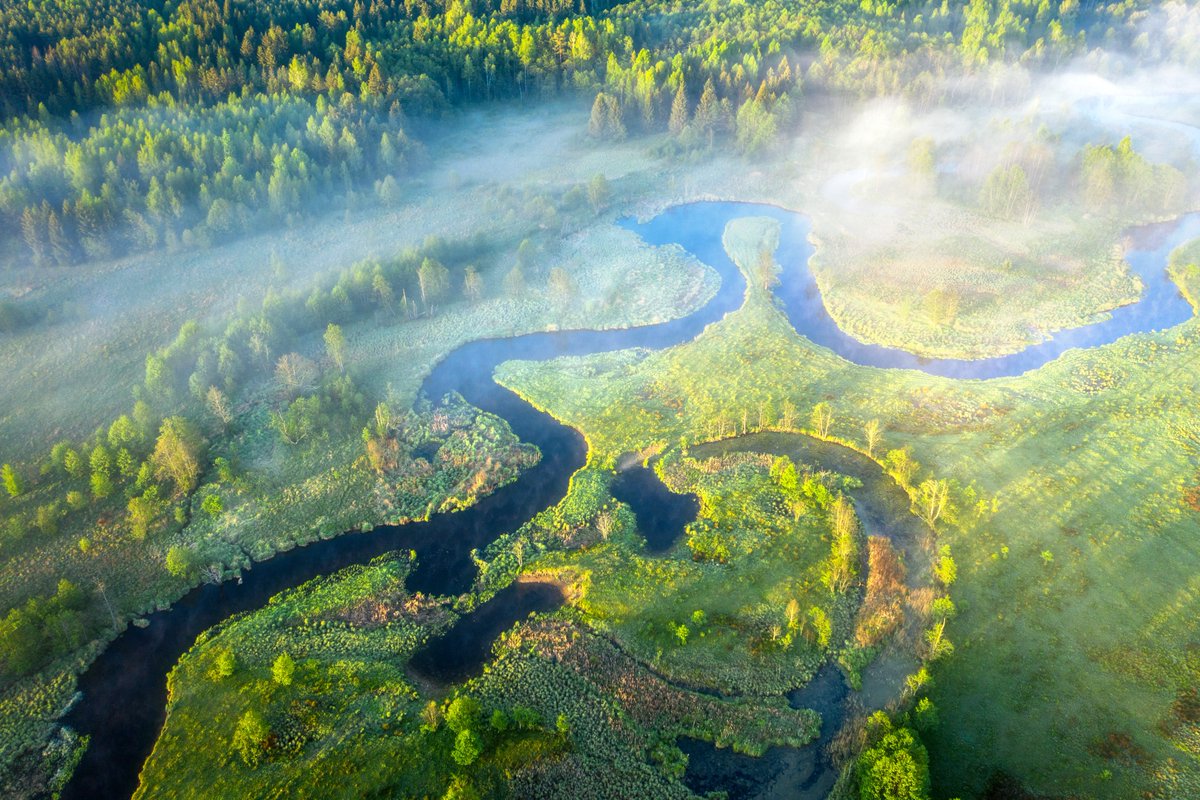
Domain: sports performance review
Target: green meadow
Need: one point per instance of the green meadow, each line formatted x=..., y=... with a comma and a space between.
x=1071, y=519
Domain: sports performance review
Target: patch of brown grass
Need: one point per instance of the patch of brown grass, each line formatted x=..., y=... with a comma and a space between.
x=1186, y=706
x=1191, y=497
x=883, y=607
x=1120, y=747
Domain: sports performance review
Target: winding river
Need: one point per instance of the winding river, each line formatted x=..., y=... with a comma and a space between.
x=124, y=690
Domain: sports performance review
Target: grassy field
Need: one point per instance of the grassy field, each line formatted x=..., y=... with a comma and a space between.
x=960, y=285
x=737, y=604
x=342, y=719
x=1075, y=493
x=557, y=702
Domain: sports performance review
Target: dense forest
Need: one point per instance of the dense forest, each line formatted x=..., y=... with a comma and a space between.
x=168, y=124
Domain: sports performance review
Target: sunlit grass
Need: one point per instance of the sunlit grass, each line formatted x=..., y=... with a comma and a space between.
x=1085, y=466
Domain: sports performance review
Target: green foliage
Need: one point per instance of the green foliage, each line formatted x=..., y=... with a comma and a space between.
x=716, y=615
x=1117, y=458
x=283, y=670
x=320, y=675
x=895, y=767
x=177, y=453
x=1118, y=179
x=13, y=484
x=925, y=715
x=1183, y=265
x=144, y=511
x=45, y=628
x=433, y=279
x=250, y=737
x=211, y=505
x=181, y=562
x=335, y=345
x=47, y=517
x=946, y=569
x=462, y=713
x=442, y=458
x=224, y=664
x=467, y=747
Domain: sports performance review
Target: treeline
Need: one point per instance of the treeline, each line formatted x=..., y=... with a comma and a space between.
x=222, y=118
x=1102, y=178
x=149, y=126
x=162, y=175
x=67, y=58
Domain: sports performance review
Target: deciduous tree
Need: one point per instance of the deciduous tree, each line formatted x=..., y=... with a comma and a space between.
x=177, y=453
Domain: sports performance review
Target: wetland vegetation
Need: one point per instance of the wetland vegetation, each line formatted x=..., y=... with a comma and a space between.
x=599, y=400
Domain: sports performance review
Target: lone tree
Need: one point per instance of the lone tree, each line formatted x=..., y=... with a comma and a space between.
x=933, y=497
x=598, y=192
x=873, y=431
x=561, y=287
x=295, y=373
x=12, y=481
x=472, y=285
x=283, y=670
x=181, y=561
x=822, y=419
x=895, y=768
x=335, y=346
x=218, y=403
x=514, y=281
x=250, y=737
x=433, y=279
x=177, y=453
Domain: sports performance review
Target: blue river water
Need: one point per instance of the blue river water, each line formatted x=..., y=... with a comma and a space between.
x=698, y=228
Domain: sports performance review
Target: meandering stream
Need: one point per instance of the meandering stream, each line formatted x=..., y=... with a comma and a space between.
x=124, y=690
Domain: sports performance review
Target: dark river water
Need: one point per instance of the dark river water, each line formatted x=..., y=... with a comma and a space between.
x=124, y=691
x=661, y=514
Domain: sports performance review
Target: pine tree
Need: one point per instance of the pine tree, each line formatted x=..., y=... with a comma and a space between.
x=31, y=229
x=375, y=83
x=679, y=112
x=708, y=111
x=596, y=124
x=60, y=246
